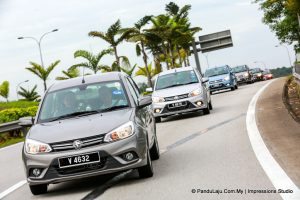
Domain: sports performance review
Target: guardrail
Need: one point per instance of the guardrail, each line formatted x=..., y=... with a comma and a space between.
x=18, y=125
x=297, y=72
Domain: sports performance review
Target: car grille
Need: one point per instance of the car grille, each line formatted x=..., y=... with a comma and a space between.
x=174, y=98
x=86, y=142
x=216, y=81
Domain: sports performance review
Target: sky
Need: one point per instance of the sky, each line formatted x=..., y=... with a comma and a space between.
x=253, y=40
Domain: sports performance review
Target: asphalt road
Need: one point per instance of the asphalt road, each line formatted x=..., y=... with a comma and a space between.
x=198, y=152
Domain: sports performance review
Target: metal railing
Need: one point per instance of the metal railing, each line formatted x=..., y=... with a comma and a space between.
x=15, y=126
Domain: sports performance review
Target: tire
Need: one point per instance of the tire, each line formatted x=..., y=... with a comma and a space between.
x=236, y=87
x=210, y=106
x=206, y=111
x=210, y=92
x=38, y=189
x=157, y=119
x=232, y=88
x=147, y=170
x=154, y=151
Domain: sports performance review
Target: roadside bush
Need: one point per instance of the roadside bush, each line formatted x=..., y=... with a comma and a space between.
x=14, y=114
x=17, y=104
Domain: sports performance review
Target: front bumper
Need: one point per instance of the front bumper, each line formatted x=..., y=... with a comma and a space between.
x=243, y=79
x=111, y=161
x=191, y=106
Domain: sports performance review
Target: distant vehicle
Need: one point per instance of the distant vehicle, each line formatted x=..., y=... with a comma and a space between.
x=243, y=74
x=221, y=78
x=257, y=74
x=87, y=128
x=267, y=75
x=180, y=91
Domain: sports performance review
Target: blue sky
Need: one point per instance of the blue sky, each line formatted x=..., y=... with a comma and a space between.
x=253, y=40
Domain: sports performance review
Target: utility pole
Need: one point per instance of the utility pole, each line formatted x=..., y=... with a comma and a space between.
x=196, y=56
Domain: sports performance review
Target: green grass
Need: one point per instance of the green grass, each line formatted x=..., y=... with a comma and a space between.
x=11, y=141
x=17, y=104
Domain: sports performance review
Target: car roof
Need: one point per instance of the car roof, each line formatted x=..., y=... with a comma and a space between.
x=89, y=79
x=176, y=70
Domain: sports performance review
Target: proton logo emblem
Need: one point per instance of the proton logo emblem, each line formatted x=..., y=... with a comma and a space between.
x=176, y=97
x=77, y=144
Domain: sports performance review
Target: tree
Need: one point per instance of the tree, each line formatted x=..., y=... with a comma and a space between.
x=110, y=36
x=4, y=90
x=70, y=73
x=42, y=73
x=29, y=95
x=141, y=39
x=281, y=16
x=143, y=72
x=93, y=61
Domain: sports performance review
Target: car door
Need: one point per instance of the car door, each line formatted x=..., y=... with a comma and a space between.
x=145, y=114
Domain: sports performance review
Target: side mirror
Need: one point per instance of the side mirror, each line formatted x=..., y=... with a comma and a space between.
x=204, y=79
x=145, y=101
x=26, y=121
x=149, y=90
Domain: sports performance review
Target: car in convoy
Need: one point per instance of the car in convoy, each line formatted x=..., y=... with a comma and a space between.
x=90, y=126
x=243, y=74
x=220, y=78
x=267, y=75
x=257, y=74
x=179, y=91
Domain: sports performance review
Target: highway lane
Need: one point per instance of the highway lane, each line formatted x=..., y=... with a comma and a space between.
x=198, y=152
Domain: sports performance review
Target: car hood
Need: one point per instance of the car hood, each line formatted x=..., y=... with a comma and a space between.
x=80, y=127
x=240, y=73
x=214, y=78
x=173, y=91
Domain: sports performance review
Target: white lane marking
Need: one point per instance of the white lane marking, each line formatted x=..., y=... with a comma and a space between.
x=12, y=188
x=11, y=146
x=276, y=174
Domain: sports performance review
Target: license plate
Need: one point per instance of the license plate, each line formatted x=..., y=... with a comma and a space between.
x=80, y=159
x=216, y=85
x=177, y=104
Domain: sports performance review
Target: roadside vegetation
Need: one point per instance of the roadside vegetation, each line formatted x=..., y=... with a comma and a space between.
x=281, y=72
x=292, y=97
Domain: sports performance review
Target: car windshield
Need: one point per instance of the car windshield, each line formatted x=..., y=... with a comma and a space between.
x=176, y=79
x=216, y=71
x=83, y=100
x=239, y=69
x=256, y=70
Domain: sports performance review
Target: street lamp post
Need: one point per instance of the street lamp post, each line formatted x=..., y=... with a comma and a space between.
x=39, y=42
x=288, y=53
x=19, y=86
x=265, y=66
x=206, y=56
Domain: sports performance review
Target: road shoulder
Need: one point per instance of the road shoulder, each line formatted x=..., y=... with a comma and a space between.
x=281, y=133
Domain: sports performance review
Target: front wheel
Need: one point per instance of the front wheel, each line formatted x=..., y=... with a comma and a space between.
x=38, y=189
x=157, y=119
x=206, y=111
x=147, y=170
x=154, y=151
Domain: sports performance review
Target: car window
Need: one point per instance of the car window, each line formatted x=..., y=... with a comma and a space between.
x=133, y=91
x=239, y=69
x=91, y=97
x=176, y=79
x=216, y=71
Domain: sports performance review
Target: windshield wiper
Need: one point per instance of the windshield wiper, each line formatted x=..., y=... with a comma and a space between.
x=113, y=108
x=76, y=114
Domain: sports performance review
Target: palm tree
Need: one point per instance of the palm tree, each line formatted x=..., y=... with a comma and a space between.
x=42, y=73
x=29, y=95
x=143, y=72
x=110, y=36
x=138, y=36
x=4, y=90
x=70, y=73
x=93, y=61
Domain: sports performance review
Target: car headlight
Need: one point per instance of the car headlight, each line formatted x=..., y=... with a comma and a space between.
x=227, y=78
x=246, y=74
x=196, y=92
x=35, y=147
x=259, y=74
x=158, y=99
x=122, y=132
